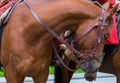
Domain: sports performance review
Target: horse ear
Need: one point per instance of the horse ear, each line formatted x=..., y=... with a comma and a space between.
x=111, y=12
x=106, y=5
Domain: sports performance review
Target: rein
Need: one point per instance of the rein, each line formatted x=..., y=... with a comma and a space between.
x=59, y=58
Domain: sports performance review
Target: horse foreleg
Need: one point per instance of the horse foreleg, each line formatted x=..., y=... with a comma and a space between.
x=64, y=71
x=61, y=73
x=117, y=74
x=117, y=79
x=116, y=65
x=72, y=65
x=42, y=76
x=11, y=76
x=58, y=75
x=65, y=77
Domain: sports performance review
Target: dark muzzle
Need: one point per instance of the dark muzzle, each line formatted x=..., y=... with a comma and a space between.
x=90, y=68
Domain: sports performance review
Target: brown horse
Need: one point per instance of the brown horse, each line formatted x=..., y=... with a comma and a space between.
x=111, y=64
x=64, y=74
x=26, y=47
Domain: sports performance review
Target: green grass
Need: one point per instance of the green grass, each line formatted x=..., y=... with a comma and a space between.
x=51, y=71
x=79, y=71
x=1, y=74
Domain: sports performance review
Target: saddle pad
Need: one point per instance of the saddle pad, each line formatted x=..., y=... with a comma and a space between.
x=4, y=7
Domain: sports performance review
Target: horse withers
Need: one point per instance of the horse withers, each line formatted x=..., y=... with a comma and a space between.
x=26, y=47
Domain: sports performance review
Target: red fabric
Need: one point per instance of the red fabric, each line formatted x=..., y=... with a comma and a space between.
x=112, y=2
x=58, y=42
x=6, y=6
x=113, y=38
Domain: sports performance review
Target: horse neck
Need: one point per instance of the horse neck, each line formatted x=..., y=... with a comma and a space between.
x=59, y=14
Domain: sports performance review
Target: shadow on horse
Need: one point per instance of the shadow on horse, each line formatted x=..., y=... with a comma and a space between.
x=108, y=64
x=26, y=45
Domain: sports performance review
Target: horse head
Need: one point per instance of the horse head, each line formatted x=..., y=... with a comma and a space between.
x=95, y=46
x=90, y=42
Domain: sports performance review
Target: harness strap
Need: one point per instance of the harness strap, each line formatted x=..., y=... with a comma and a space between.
x=84, y=33
x=61, y=61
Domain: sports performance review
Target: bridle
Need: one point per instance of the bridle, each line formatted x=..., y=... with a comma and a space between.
x=99, y=35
